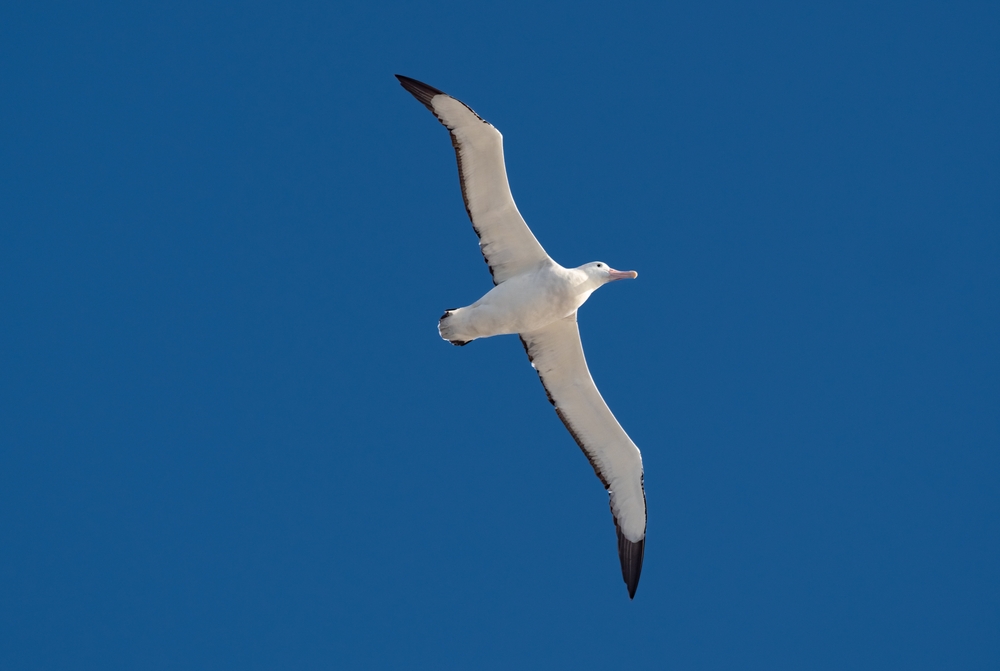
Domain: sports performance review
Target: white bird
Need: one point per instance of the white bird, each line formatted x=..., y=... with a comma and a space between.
x=537, y=298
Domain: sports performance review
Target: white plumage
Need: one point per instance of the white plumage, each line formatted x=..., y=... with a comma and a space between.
x=538, y=299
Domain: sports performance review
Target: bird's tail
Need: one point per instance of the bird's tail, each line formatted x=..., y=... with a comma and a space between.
x=448, y=328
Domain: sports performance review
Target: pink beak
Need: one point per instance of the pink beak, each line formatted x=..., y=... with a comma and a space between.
x=622, y=275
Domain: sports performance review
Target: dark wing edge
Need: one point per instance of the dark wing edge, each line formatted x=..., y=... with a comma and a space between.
x=565, y=420
x=629, y=554
x=424, y=93
x=421, y=91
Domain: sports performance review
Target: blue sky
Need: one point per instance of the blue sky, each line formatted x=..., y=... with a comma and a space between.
x=230, y=436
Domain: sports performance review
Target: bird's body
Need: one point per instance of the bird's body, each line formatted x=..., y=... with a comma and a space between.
x=526, y=302
x=538, y=299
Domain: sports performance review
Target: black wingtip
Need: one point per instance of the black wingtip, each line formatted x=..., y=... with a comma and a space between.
x=630, y=555
x=421, y=91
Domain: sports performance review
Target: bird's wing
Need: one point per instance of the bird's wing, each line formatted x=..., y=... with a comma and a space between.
x=507, y=243
x=557, y=355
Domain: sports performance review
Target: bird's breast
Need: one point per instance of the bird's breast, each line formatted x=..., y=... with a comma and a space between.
x=530, y=301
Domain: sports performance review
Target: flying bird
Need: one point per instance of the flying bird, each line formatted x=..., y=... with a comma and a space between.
x=538, y=299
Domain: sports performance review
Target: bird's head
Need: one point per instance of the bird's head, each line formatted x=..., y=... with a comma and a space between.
x=601, y=273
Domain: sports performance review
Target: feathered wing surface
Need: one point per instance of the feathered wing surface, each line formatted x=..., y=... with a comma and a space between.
x=507, y=243
x=556, y=353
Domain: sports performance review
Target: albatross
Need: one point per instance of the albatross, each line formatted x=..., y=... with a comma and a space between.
x=536, y=298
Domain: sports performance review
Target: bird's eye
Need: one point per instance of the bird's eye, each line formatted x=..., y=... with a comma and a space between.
x=600, y=265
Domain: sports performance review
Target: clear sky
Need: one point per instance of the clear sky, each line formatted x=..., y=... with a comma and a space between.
x=230, y=436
